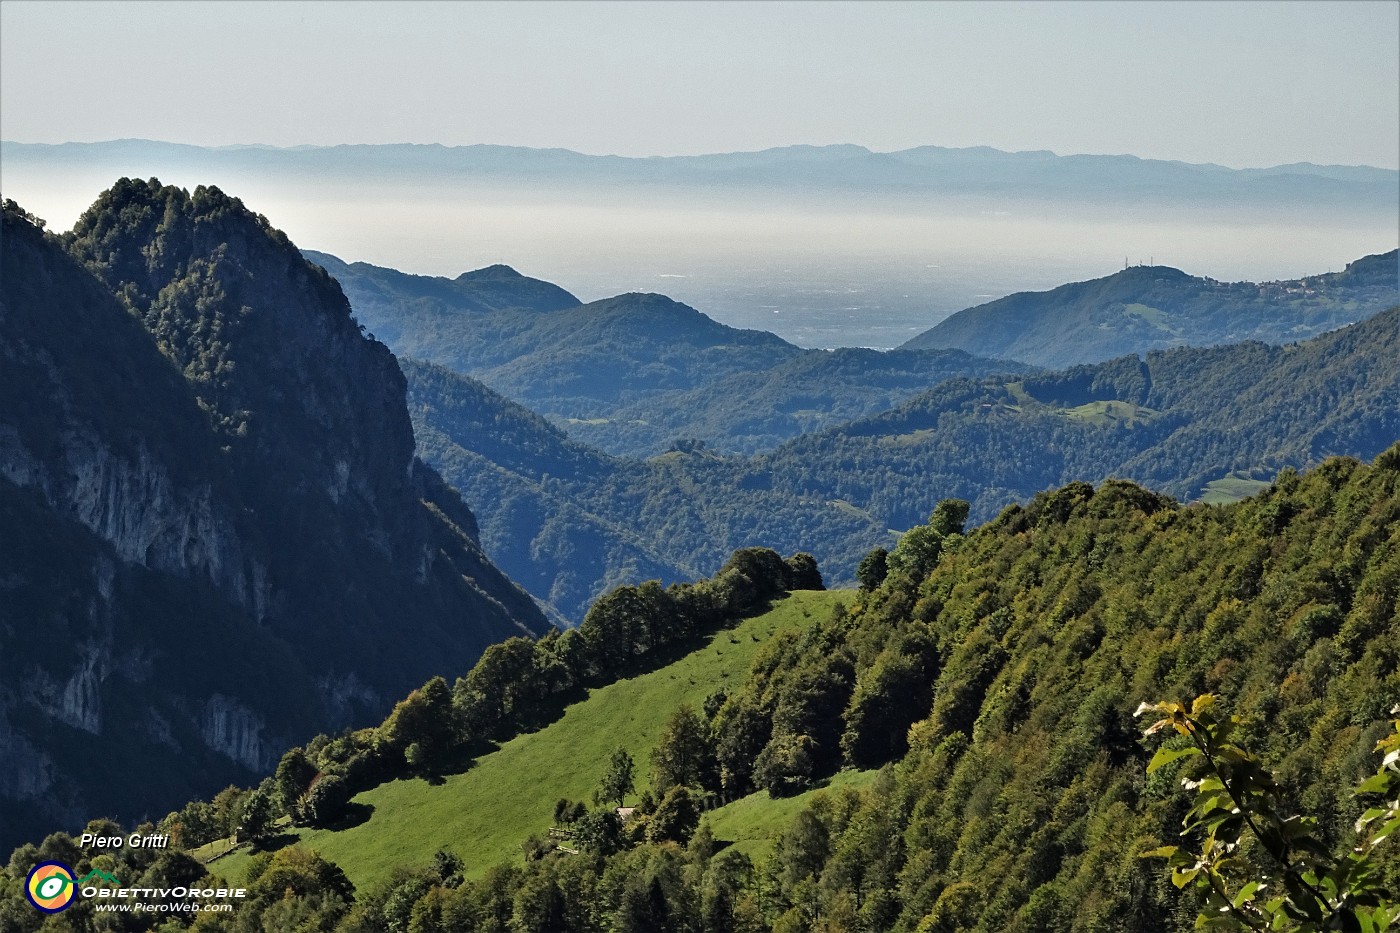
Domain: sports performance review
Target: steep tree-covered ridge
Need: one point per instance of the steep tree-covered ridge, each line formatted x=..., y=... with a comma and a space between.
x=991, y=676
x=217, y=537
x=1156, y=307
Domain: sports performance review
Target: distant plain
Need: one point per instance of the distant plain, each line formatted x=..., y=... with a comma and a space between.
x=820, y=267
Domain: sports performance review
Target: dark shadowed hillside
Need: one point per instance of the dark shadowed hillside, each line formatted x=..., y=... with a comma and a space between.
x=217, y=535
x=570, y=523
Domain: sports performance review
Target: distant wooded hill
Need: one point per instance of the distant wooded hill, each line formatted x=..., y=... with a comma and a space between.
x=842, y=447
x=568, y=521
x=1174, y=421
x=634, y=373
x=1156, y=307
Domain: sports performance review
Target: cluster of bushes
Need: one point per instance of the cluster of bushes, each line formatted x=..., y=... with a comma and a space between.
x=670, y=817
x=834, y=694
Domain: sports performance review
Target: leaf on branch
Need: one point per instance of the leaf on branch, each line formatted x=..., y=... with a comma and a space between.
x=1246, y=894
x=1160, y=852
x=1166, y=756
x=1376, y=784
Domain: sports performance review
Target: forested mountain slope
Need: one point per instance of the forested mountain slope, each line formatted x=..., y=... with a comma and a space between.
x=521, y=467
x=752, y=412
x=1156, y=307
x=1177, y=420
x=217, y=537
x=570, y=522
x=614, y=351
x=991, y=675
x=1019, y=801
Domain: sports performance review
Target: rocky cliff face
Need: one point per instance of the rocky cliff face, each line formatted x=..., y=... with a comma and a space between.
x=217, y=538
x=131, y=502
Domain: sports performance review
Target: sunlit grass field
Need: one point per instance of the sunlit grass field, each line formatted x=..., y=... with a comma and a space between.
x=485, y=813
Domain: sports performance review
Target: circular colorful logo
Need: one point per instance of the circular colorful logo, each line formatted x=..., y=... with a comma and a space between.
x=50, y=887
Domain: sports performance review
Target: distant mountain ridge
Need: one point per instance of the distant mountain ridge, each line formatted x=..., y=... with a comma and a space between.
x=1145, y=308
x=931, y=170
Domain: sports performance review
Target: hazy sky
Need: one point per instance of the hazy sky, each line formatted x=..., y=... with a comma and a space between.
x=1242, y=84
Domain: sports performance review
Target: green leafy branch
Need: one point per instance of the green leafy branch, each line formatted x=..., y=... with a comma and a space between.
x=1303, y=887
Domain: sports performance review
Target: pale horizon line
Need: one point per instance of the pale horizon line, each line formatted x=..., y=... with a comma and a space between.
x=305, y=147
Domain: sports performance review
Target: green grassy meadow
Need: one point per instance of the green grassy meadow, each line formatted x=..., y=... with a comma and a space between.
x=1232, y=488
x=1154, y=316
x=485, y=813
x=1108, y=413
x=754, y=822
